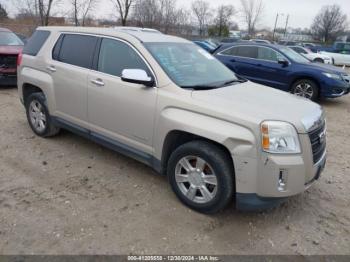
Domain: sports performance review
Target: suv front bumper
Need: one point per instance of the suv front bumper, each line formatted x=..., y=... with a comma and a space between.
x=254, y=202
x=265, y=182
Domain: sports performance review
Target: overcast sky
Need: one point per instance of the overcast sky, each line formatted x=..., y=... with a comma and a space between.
x=301, y=12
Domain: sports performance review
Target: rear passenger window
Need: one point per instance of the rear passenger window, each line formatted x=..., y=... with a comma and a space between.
x=232, y=51
x=35, y=42
x=115, y=56
x=248, y=51
x=76, y=50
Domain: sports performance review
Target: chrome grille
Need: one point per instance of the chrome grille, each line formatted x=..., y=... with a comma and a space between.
x=318, y=141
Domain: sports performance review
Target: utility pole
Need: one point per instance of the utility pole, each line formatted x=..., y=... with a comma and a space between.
x=285, y=30
x=274, y=29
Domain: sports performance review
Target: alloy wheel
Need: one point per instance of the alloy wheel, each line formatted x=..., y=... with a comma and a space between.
x=304, y=89
x=196, y=179
x=37, y=116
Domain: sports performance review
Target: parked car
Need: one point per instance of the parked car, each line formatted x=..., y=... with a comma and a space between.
x=207, y=47
x=282, y=68
x=260, y=41
x=289, y=43
x=10, y=47
x=229, y=40
x=22, y=37
x=316, y=57
x=308, y=45
x=171, y=105
x=340, y=52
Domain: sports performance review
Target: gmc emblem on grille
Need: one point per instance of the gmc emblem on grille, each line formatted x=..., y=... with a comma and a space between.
x=322, y=137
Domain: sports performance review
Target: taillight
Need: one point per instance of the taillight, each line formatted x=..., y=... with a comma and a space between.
x=19, y=59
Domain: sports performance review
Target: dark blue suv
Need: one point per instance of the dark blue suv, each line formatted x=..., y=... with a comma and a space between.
x=281, y=67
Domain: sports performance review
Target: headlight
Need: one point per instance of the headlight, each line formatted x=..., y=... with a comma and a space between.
x=333, y=76
x=279, y=137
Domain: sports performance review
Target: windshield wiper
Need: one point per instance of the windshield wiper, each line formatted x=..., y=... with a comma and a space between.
x=199, y=87
x=232, y=82
x=214, y=85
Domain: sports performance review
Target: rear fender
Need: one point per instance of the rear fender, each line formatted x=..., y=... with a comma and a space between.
x=39, y=79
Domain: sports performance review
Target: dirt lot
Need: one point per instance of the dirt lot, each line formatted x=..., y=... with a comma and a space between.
x=67, y=195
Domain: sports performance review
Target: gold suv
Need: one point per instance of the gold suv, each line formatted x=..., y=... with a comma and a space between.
x=171, y=105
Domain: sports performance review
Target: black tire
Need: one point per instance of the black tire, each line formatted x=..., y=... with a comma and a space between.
x=313, y=85
x=319, y=60
x=50, y=129
x=220, y=162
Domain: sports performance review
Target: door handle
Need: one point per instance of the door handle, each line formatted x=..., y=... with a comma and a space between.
x=51, y=68
x=233, y=60
x=98, y=82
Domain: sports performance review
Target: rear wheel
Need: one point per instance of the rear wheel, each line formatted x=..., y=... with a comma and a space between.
x=201, y=175
x=305, y=88
x=38, y=116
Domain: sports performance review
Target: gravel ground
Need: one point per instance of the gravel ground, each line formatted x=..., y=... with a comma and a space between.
x=67, y=195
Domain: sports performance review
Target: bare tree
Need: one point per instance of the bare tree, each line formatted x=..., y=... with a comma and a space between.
x=167, y=13
x=201, y=10
x=146, y=13
x=223, y=17
x=252, y=11
x=329, y=23
x=40, y=10
x=123, y=7
x=44, y=8
x=81, y=9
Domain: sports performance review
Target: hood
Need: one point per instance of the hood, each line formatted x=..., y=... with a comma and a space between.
x=324, y=68
x=10, y=49
x=254, y=103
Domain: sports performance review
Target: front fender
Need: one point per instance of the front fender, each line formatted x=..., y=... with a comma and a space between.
x=239, y=141
x=236, y=138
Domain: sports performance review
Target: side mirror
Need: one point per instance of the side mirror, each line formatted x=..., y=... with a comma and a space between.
x=137, y=76
x=283, y=62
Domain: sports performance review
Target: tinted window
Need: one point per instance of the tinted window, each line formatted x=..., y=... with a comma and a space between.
x=115, y=56
x=248, y=51
x=231, y=51
x=77, y=50
x=343, y=46
x=35, y=42
x=268, y=54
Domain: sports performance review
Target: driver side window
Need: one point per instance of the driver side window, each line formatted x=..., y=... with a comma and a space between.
x=115, y=56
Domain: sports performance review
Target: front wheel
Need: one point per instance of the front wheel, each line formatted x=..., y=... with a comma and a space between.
x=305, y=88
x=319, y=60
x=201, y=175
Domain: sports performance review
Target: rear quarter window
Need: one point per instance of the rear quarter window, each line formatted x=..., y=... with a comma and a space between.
x=35, y=42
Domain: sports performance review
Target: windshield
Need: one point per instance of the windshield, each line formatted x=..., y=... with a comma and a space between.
x=189, y=66
x=8, y=38
x=294, y=56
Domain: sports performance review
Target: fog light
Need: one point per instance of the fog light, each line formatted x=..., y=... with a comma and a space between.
x=282, y=181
